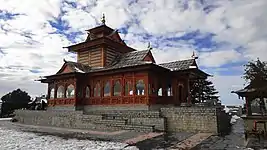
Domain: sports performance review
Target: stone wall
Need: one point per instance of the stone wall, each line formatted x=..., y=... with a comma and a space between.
x=191, y=119
x=171, y=119
x=65, y=119
x=158, y=123
x=64, y=108
x=90, y=108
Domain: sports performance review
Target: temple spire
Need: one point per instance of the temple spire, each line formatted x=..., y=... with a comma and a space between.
x=194, y=55
x=149, y=46
x=103, y=20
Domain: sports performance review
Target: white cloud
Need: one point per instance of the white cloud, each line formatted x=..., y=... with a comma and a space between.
x=161, y=19
x=218, y=58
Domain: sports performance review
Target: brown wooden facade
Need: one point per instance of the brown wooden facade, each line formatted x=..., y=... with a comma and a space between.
x=144, y=83
x=174, y=90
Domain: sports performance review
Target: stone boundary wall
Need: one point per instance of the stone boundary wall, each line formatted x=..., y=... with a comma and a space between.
x=191, y=119
x=90, y=108
x=170, y=119
x=61, y=108
x=64, y=119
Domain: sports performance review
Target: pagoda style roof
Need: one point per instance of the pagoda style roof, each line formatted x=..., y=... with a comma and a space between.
x=252, y=91
x=180, y=65
x=131, y=59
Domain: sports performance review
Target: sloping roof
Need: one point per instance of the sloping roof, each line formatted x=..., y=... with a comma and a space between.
x=179, y=65
x=75, y=67
x=130, y=59
x=249, y=90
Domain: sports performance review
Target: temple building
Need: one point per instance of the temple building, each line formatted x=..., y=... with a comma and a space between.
x=109, y=74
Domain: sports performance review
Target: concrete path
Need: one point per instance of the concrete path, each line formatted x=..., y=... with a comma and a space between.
x=192, y=141
x=142, y=138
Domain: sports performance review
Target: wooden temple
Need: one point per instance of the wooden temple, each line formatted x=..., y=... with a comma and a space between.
x=254, y=122
x=110, y=73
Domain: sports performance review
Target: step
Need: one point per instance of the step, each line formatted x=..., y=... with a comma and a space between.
x=136, y=128
x=111, y=122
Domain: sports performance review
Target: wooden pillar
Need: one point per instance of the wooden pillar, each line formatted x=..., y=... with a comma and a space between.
x=248, y=106
x=122, y=82
x=134, y=87
x=188, y=91
x=147, y=88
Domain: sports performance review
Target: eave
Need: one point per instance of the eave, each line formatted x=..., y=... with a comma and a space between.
x=193, y=73
x=97, y=42
x=51, y=78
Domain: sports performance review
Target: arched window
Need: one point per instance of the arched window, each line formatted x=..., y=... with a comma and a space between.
x=87, y=92
x=169, y=90
x=128, y=88
x=97, y=89
x=117, y=88
x=160, y=92
x=140, y=87
x=52, y=93
x=60, y=92
x=70, y=91
x=107, y=89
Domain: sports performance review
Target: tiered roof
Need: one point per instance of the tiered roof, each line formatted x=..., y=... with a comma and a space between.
x=131, y=59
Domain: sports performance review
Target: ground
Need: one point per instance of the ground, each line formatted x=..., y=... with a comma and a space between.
x=21, y=137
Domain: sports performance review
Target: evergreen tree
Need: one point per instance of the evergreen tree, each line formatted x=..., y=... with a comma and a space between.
x=16, y=99
x=256, y=73
x=203, y=91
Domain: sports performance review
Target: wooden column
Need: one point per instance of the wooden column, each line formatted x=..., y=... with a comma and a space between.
x=188, y=92
x=147, y=88
x=248, y=106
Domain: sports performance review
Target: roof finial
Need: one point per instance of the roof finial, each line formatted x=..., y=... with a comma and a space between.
x=149, y=46
x=103, y=20
x=65, y=61
x=194, y=55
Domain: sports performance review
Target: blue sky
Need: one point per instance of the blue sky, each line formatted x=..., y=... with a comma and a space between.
x=225, y=34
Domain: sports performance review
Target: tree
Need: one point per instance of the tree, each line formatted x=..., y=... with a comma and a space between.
x=256, y=75
x=16, y=99
x=203, y=91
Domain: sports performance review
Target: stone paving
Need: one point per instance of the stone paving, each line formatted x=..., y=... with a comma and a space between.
x=166, y=141
x=233, y=141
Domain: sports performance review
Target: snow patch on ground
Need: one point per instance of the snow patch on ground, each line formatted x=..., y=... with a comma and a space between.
x=234, y=118
x=18, y=140
x=226, y=110
x=5, y=119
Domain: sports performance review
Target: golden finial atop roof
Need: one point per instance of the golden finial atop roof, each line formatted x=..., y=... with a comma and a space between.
x=103, y=20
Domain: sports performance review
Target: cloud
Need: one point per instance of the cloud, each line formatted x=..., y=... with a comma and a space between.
x=219, y=58
x=224, y=34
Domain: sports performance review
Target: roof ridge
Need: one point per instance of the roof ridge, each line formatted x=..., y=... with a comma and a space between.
x=177, y=61
x=138, y=51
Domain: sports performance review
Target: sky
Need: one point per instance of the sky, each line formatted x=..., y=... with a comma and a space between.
x=225, y=35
